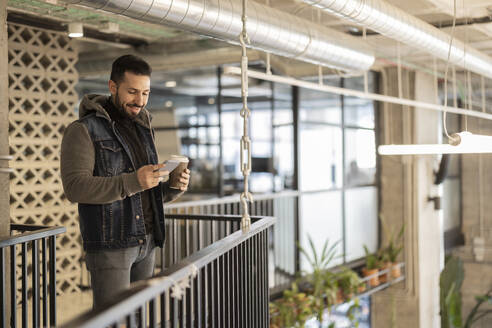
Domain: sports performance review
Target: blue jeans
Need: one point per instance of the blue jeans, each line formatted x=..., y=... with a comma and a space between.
x=112, y=271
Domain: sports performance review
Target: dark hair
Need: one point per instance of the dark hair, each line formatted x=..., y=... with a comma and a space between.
x=129, y=63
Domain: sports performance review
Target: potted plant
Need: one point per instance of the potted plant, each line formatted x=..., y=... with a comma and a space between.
x=320, y=281
x=330, y=286
x=371, y=268
x=393, y=248
x=349, y=283
x=292, y=310
x=383, y=266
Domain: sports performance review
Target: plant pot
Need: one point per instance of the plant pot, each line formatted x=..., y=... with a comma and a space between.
x=362, y=288
x=348, y=297
x=383, y=278
x=339, y=296
x=374, y=281
x=395, y=270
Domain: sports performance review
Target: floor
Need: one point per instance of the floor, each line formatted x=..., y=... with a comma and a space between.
x=72, y=305
x=69, y=306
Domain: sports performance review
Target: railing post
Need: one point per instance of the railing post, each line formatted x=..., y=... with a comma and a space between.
x=242, y=260
x=234, y=270
x=256, y=299
x=3, y=302
x=163, y=310
x=24, y=286
x=265, y=277
x=295, y=123
x=53, y=281
x=13, y=287
x=35, y=284
x=227, y=289
x=189, y=306
x=249, y=287
x=152, y=313
x=45, y=282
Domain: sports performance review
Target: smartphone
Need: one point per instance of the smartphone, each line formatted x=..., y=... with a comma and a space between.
x=170, y=165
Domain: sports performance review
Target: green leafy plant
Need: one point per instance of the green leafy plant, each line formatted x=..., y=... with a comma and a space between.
x=352, y=313
x=477, y=314
x=450, y=282
x=321, y=281
x=394, y=244
x=372, y=260
x=349, y=282
x=321, y=286
x=330, y=287
x=292, y=310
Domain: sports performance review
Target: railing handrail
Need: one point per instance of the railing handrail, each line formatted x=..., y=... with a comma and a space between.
x=208, y=217
x=146, y=290
x=35, y=232
x=232, y=199
x=257, y=197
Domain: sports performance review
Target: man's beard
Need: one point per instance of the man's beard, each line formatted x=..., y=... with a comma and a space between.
x=119, y=106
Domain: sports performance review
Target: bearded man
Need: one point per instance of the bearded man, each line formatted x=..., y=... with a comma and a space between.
x=109, y=166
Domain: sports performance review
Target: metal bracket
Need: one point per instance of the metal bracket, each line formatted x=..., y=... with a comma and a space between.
x=6, y=157
x=6, y=170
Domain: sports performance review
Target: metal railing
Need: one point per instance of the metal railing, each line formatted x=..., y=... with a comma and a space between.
x=218, y=279
x=42, y=291
x=196, y=234
x=282, y=205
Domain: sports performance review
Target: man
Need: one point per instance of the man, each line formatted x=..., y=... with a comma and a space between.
x=109, y=166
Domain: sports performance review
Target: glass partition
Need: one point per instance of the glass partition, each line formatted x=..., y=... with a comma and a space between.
x=338, y=157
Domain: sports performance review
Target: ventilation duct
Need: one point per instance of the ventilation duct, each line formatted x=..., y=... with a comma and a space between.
x=394, y=23
x=269, y=29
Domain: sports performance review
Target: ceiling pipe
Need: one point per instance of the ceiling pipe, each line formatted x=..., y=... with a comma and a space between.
x=394, y=23
x=269, y=29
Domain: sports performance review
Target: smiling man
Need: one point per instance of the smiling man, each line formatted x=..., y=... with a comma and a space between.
x=109, y=166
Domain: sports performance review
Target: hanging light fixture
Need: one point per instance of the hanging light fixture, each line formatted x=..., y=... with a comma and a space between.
x=75, y=30
x=459, y=143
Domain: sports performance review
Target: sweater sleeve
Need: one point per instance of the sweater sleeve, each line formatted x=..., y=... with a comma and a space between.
x=77, y=160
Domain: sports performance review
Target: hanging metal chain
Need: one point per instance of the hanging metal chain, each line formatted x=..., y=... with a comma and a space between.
x=246, y=196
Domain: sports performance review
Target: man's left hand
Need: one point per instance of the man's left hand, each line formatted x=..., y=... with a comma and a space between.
x=185, y=179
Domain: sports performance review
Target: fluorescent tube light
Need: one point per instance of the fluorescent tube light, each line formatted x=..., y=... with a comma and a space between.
x=460, y=143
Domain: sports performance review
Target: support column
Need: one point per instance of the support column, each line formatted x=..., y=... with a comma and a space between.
x=430, y=234
x=4, y=143
x=4, y=121
x=406, y=183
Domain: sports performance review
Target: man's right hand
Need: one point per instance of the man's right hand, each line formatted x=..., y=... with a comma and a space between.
x=149, y=176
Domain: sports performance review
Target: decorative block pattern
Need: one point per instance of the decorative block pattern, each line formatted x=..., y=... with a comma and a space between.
x=42, y=79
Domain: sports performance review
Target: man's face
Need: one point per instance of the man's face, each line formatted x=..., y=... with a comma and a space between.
x=131, y=94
